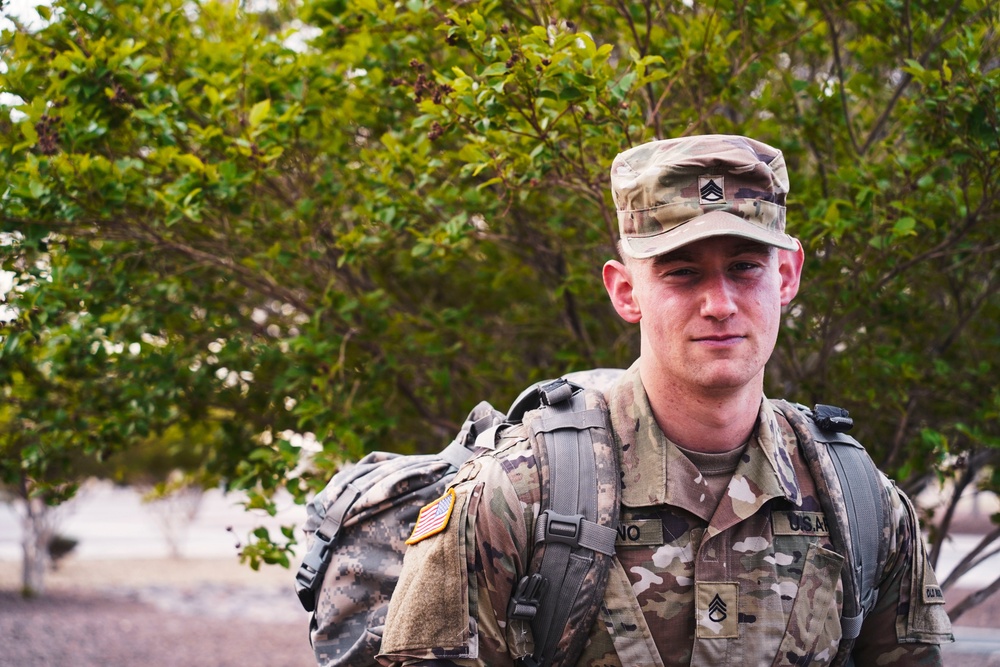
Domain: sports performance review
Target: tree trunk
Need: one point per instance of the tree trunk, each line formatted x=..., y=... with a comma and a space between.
x=35, y=535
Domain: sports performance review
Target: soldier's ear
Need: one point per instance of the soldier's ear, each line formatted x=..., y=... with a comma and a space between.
x=618, y=281
x=790, y=269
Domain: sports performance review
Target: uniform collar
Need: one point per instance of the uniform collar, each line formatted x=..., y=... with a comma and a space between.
x=656, y=472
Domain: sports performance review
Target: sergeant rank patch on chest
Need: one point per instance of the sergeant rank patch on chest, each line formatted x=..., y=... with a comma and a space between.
x=433, y=517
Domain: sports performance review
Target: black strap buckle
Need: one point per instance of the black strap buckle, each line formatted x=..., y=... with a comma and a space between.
x=527, y=599
x=561, y=528
x=555, y=392
x=312, y=569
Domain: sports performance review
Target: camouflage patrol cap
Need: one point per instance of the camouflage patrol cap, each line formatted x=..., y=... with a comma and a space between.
x=676, y=191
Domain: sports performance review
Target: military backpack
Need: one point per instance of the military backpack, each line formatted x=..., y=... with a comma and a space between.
x=358, y=525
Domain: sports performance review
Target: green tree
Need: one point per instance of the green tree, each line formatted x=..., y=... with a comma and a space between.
x=358, y=219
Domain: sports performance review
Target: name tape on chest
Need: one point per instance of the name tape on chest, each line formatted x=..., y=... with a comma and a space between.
x=433, y=517
x=799, y=523
x=639, y=533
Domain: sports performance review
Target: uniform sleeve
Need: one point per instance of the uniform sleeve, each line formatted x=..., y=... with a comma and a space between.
x=450, y=603
x=909, y=621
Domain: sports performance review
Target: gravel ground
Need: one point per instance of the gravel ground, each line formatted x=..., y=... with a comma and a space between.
x=94, y=630
x=154, y=614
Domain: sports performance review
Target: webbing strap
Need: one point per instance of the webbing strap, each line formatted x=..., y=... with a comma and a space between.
x=310, y=573
x=580, y=488
x=568, y=538
x=585, y=533
x=579, y=421
x=866, y=513
x=338, y=510
x=853, y=498
x=455, y=454
x=562, y=569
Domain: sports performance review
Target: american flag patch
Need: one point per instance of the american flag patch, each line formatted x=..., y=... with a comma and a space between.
x=433, y=518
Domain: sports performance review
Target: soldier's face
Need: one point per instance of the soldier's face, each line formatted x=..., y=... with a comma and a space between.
x=708, y=312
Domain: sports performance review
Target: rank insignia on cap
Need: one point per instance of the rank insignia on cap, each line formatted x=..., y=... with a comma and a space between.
x=433, y=518
x=711, y=189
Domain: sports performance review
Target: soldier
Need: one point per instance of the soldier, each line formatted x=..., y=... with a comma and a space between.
x=723, y=555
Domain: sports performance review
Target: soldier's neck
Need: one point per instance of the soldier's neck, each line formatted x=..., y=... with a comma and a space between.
x=706, y=422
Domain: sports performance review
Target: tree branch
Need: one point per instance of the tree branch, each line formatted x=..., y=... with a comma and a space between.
x=973, y=600
x=938, y=250
x=970, y=560
x=939, y=38
x=944, y=527
x=900, y=437
x=991, y=289
x=840, y=78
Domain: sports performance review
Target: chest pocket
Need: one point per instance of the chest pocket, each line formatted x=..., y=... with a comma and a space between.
x=809, y=572
x=794, y=532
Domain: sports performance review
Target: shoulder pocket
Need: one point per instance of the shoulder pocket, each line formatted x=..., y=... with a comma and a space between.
x=430, y=606
x=927, y=620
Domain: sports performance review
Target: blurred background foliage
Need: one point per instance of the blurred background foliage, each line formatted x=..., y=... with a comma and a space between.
x=232, y=231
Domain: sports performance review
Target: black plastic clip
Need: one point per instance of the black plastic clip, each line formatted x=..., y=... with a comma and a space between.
x=310, y=573
x=526, y=600
x=561, y=528
x=832, y=418
x=555, y=392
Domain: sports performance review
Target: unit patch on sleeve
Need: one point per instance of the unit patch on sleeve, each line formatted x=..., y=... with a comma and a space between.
x=433, y=517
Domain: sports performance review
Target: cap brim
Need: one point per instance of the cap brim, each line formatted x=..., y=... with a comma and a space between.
x=714, y=223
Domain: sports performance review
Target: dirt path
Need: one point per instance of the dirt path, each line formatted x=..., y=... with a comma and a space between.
x=90, y=630
x=209, y=613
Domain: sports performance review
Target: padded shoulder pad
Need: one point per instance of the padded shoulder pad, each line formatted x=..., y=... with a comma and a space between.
x=577, y=524
x=854, y=500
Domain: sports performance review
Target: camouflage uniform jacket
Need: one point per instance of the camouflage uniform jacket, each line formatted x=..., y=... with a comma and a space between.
x=746, y=579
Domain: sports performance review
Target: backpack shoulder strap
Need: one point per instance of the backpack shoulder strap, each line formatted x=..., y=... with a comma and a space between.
x=575, y=532
x=852, y=494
